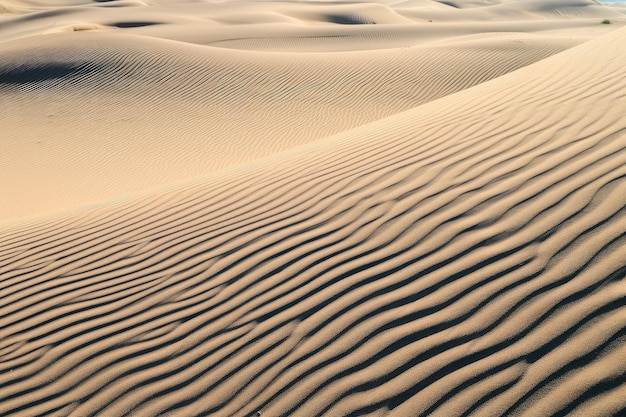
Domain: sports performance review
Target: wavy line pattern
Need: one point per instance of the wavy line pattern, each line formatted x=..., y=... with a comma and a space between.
x=198, y=109
x=463, y=258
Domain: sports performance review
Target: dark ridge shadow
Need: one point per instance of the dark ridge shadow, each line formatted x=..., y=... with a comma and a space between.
x=216, y=408
x=594, y=391
x=399, y=398
x=348, y=20
x=482, y=400
x=133, y=24
x=448, y=3
x=47, y=72
x=464, y=361
x=579, y=362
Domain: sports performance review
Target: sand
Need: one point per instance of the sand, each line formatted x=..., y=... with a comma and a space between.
x=410, y=208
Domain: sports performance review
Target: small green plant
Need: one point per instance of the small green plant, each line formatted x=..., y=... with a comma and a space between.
x=606, y=22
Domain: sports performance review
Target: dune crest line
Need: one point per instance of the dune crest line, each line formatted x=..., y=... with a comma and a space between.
x=161, y=111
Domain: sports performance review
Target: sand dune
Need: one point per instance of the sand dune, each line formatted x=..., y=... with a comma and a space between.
x=462, y=257
x=91, y=110
x=109, y=98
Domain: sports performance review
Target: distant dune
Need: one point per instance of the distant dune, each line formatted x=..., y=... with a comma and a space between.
x=411, y=208
x=107, y=99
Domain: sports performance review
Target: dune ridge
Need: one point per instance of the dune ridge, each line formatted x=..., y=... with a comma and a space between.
x=464, y=257
x=91, y=110
x=294, y=25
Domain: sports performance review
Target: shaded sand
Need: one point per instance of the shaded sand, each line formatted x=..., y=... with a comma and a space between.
x=101, y=100
x=465, y=257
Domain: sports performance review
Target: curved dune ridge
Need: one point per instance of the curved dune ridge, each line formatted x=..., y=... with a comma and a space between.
x=291, y=24
x=91, y=110
x=465, y=257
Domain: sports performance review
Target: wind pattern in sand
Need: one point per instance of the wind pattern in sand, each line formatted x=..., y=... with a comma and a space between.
x=459, y=262
x=218, y=108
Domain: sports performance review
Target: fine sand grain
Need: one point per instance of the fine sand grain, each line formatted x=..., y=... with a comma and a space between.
x=310, y=209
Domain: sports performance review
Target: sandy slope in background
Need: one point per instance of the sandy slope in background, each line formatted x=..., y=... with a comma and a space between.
x=434, y=228
x=100, y=100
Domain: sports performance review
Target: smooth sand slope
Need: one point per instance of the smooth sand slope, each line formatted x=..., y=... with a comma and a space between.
x=92, y=111
x=100, y=100
x=465, y=257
